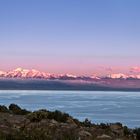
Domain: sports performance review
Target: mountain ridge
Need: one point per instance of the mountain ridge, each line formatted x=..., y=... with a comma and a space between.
x=36, y=74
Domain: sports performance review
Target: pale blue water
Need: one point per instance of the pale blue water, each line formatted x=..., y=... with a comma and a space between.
x=98, y=106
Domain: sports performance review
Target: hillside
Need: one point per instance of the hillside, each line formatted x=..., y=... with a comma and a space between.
x=20, y=124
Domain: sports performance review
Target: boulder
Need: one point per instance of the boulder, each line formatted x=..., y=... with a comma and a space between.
x=104, y=137
x=85, y=135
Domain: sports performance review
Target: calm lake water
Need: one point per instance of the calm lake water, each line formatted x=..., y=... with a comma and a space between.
x=97, y=106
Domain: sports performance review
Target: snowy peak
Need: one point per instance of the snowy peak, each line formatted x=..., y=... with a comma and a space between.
x=24, y=73
x=118, y=76
x=2, y=73
x=18, y=69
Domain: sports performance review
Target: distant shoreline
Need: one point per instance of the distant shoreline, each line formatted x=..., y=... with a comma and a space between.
x=69, y=85
x=69, y=90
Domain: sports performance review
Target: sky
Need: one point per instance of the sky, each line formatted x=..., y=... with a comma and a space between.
x=82, y=37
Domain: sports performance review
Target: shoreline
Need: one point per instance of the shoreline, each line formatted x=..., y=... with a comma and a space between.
x=19, y=89
x=70, y=85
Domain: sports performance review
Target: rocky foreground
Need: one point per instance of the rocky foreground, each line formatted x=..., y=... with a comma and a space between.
x=20, y=124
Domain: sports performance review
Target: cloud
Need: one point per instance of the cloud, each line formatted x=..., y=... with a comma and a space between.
x=135, y=70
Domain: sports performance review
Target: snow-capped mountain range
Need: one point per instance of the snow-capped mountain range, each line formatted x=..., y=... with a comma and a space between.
x=26, y=73
x=124, y=76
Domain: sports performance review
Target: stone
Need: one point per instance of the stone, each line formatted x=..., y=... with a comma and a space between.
x=104, y=137
x=85, y=134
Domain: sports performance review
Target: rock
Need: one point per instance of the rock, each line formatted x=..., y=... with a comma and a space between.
x=104, y=137
x=66, y=126
x=54, y=122
x=84, y=134
x=116, y=126
x=71, y=122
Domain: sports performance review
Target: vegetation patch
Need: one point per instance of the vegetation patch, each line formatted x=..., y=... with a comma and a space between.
x=15, y=109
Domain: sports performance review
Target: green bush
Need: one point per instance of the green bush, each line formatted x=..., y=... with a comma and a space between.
x=15, y=109
x=44, y=114
x=2, y=136
x=3, y=109
x=38, y=116
x=137, y=132
x=58, y=116
x=87, y=123
x=126, y=131
x=104, y=126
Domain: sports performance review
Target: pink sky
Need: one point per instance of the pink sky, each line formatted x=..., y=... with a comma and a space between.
x=75, y=36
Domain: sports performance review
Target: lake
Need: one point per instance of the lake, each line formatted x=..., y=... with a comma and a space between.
x=97, y=106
